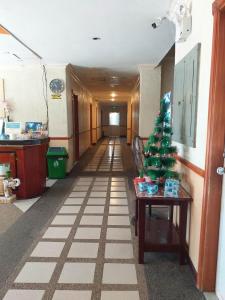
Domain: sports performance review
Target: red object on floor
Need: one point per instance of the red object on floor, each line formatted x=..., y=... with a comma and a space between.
x=28, y=163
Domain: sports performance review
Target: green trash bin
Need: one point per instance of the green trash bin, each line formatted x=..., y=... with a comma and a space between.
x=57, y=158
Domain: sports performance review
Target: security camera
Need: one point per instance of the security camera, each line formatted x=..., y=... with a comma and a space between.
x=158, y=22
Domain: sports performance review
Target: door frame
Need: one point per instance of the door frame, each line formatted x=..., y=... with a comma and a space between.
x=75, y=120
x=91, y=127
x=209, y=237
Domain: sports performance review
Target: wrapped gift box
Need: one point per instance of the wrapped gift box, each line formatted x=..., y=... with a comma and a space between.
x=171, y=188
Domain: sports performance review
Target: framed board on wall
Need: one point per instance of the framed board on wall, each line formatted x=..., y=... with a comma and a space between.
x=185, y=102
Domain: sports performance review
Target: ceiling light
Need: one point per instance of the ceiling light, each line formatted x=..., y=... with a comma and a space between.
x=96, y=38
x=113, y=94
x=112, y=99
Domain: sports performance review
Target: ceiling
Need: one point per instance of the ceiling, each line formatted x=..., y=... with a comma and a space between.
x=61, y=32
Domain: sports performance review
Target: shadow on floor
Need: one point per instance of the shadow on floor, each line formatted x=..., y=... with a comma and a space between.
x=166, y=279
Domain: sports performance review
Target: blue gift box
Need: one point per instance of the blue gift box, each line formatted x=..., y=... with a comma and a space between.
x=142, y=186
x=171, y=188
x=152, y=189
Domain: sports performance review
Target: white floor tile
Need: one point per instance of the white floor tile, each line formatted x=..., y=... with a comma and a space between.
x=94, y=209
x=77, y=194
x=121, y=179
x=91, y=220
x=57, y=233
x=96, y=201
x=118, y=194
x=72, y=295
x=83, y=250
x=118, y=183
x=69, y=209
x=50, y=182
x=119, y=274
x=88, y=233
x=118, y=188
x=81, y=188
x=36, y=272
x=99, y=188
x=101, y=179
x=123, y=234
x=118, y=210
x=119, y=220
x=86, y=183
x=48, y=249
x=119, y=251
x=77, y=273
x=120, y=295
x=85, y=179
x=98, y=194
x=74, y=201
x=99, y=183
x=24, y=205
x=118, y=201
x=24, y=295
x=64, y=220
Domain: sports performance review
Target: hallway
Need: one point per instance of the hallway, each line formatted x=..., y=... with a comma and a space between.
x=86, y=250
x=77, y=241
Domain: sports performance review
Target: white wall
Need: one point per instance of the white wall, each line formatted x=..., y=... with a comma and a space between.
x=201, y=33
x=150, y=89
x=193, y=182
x=24, y=92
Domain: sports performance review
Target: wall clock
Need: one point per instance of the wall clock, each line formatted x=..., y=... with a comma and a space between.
x=57, y=86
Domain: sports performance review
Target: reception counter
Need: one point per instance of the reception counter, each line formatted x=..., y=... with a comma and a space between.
x=27, y=159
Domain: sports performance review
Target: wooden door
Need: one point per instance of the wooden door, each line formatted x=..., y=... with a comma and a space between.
x=91, y=133
x=214, y=157
x=220, y=286
x=75, y=118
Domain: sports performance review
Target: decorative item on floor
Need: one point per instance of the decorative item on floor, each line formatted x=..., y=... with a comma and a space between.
x=171, y=188
x=7, y=184
x=158, y=151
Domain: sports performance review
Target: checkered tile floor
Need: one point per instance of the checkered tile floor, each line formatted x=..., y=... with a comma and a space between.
x=107, y=158
x=86, y=252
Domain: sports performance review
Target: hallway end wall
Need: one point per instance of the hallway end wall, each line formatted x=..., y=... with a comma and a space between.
x=109, y=130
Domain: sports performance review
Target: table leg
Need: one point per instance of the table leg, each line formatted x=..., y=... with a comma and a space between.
x=182, y=231
x=136, y=215
x=171, y=214
x=141, y=230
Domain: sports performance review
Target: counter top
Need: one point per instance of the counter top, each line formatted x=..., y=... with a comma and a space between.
x=29, y=142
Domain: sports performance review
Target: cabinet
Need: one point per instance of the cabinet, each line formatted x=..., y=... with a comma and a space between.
x=185, y=100
x=28, y=163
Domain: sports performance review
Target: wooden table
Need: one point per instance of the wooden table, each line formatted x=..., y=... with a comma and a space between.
x=158, y=235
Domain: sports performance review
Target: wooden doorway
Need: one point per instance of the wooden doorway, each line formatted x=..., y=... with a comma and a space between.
x=91, y=128
x=75, y=120
x=214, y=156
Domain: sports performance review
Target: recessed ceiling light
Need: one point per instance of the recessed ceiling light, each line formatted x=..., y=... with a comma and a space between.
x=96, y=38
x=112, y=99
x=113, y=94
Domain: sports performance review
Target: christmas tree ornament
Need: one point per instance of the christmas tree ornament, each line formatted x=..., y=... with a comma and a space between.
x=159, y=153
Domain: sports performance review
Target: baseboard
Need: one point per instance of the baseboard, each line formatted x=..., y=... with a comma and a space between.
x=189, y=261
x=193, y=270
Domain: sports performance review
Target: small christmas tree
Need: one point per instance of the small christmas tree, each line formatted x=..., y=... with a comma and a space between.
x=159, y=153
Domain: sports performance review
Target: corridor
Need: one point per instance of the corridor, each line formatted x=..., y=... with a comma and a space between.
x=86, y=249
